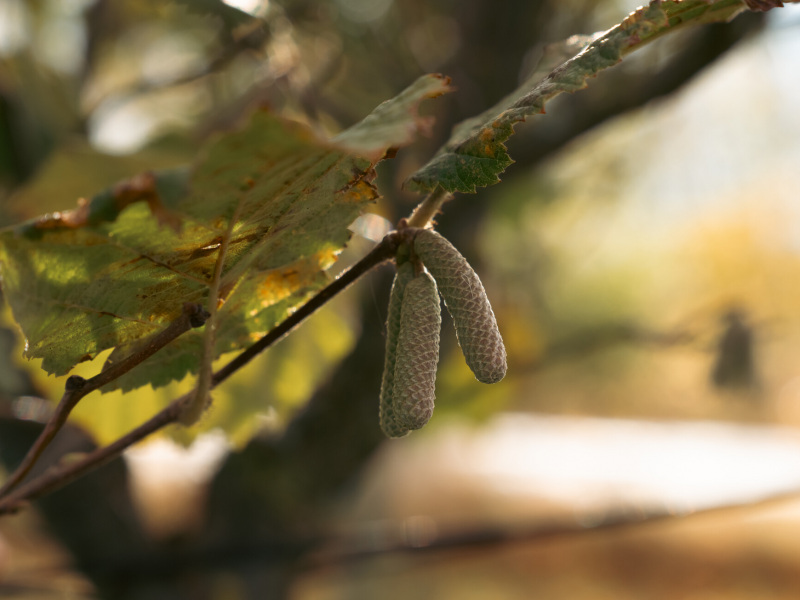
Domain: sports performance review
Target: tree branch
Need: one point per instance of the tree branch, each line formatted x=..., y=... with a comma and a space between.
x=77, y=387
x=61, y=475
x=254, y=38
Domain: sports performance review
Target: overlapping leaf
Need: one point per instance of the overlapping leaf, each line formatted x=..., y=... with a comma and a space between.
x=475, y=155
x=122, y=265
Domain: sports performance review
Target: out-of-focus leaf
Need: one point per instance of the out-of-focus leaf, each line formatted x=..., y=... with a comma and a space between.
x=395, y=119
x=122, y=265
x=475, y=155
x=75, y=167
x=231, y=16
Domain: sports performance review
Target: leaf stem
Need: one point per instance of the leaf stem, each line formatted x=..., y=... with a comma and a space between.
x=427, y=209
x=76, y=387
x=194, y=409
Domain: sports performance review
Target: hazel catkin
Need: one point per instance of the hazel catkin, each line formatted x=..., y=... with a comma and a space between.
x=417, y=353
x=466, y=300
x=388, y=419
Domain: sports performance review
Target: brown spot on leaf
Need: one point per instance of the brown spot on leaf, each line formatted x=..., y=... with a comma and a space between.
x=359, y=192
x=325, y=258
x=487, y=141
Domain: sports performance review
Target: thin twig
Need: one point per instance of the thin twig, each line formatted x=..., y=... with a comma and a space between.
x=60, y=476
x=77, y=387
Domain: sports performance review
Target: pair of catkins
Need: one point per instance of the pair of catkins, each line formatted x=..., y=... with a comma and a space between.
x=427, y=266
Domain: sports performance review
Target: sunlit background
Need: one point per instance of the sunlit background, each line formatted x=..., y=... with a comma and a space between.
x=642, y=256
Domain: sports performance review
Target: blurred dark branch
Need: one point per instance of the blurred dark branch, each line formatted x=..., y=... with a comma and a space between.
x=254, y=38
x=598, y=339
x=396, y=539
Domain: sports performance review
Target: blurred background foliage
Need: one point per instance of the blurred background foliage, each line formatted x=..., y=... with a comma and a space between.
x=641, y=256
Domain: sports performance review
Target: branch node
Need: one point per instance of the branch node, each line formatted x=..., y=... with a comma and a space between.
x=74, y=383
x=198, y=315
x=192, y=408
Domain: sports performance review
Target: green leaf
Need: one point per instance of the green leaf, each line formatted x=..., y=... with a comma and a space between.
x=475, y=154
x=121, y=266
